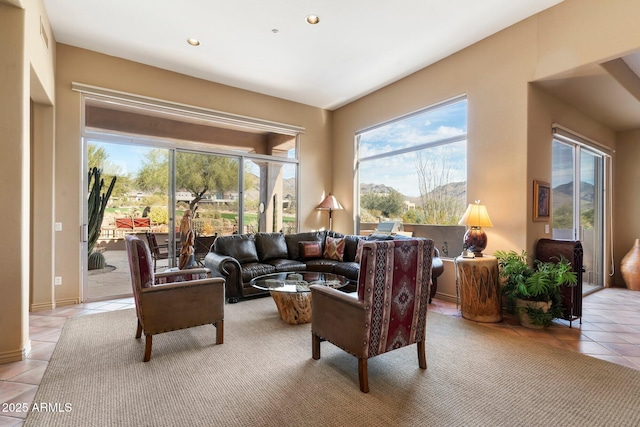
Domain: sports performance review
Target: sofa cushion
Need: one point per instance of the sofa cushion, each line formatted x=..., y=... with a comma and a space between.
x=255, y=269
x=242, y=247
x=310, y=250
x=350, y=247
x=287, y=265
x=271, y=246
x=334, y=248
x=321, y=264
x=349, y=270
x=293, y=241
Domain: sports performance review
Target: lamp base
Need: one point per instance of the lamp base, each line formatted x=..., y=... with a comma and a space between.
x=475, y=240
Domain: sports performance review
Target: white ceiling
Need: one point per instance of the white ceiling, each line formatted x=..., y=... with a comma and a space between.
x=358, y=47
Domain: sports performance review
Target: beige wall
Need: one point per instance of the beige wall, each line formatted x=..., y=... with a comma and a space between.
x=26, y=71
x=544, y=111
x=493, y=74
x=509, y=135
x=82, y=66
x=627, y=196
x=580, y=32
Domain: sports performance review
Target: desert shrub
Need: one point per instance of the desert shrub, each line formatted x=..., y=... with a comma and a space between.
x=369, y=216
x=210, y=214
x=207, y=229
x=159, y=215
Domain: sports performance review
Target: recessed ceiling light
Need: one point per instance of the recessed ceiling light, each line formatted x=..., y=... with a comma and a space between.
x=193, y=42
x=313, y=19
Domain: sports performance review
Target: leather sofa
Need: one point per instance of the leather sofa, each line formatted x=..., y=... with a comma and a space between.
x=241, y=257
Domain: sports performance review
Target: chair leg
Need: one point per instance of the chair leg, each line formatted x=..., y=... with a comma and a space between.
x=147, y=347
x=139, y=331
x=315, y=346
x=363, y=376
x=219, y=331
x=422, y=359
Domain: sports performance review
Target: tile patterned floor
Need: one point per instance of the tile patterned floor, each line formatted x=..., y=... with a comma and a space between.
x=610, y=330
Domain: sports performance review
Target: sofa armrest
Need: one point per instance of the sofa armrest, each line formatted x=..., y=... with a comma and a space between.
x=228, y=268
x=437, y=266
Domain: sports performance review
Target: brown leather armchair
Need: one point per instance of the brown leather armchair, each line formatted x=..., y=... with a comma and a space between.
x=389, y=310
x=174, y=299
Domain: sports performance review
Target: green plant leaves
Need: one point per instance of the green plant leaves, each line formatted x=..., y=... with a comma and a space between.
x=540, y=282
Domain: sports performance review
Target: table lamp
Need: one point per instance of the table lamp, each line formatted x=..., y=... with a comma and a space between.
x=329, y=204
x=476, y=217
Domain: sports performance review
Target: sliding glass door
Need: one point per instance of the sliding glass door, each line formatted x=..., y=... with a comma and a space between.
x=155, y=187
x=270, y=197
x=578, y=205
x=138, y=205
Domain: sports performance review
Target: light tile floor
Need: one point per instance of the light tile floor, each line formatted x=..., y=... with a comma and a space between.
x=610, y=330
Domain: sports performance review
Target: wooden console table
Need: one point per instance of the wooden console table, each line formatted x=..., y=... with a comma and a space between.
x=478, y=285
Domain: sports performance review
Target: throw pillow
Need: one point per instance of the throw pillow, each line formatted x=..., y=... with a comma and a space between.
x=334, y=248
x=311, y=249
x=359, y=251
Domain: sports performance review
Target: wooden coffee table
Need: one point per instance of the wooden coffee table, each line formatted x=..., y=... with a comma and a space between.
x=290, y=291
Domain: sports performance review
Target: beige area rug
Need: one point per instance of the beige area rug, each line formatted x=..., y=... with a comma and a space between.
x=263, y=375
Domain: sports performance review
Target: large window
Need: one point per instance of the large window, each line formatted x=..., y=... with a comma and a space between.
x=414, y=169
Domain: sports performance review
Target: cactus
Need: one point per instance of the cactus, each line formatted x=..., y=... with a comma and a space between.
x=97, y=204
x=96, y=261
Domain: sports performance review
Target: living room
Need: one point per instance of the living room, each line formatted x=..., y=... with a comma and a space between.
x=507, y=78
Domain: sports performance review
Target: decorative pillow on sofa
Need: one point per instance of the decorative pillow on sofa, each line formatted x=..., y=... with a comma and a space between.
x=310, y=249
x=359, y=251
x=334, y=248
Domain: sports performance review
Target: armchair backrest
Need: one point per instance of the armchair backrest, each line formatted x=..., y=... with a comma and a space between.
x=140, y=263
x=394, y=285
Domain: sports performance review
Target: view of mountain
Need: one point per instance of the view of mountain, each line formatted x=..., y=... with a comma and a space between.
x=563, y=194
x=456, y=189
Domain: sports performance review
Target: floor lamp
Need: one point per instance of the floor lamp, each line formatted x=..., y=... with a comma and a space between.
x=329, y=204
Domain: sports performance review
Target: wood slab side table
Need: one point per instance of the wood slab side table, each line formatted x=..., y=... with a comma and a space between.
x=478, y=285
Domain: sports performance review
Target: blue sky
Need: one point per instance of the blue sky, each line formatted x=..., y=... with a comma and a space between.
x=563, y=165
x=127, y=159
x=400, y=171
x=123, y=159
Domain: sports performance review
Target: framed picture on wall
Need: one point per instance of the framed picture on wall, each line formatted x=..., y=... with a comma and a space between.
x=541, y=201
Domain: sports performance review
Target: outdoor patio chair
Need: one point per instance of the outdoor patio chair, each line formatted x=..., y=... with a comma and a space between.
x=202, y=246
x=172, y=300
x=157, y=251
x=388, y=312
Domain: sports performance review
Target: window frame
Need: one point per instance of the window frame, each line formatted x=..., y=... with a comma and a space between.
x=404, y=150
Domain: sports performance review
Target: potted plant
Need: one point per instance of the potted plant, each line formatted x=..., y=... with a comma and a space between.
x=533, y=292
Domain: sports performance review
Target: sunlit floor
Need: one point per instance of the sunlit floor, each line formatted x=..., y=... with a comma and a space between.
x=610, y=330
x=115, y=280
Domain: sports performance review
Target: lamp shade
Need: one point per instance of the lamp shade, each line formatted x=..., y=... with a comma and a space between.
x=329, y=204
x=476, y=215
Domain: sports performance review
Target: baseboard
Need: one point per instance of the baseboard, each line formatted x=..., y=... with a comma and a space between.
x=42, y=306
x=15, y=355
x=68, y=301
x=446, y=297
